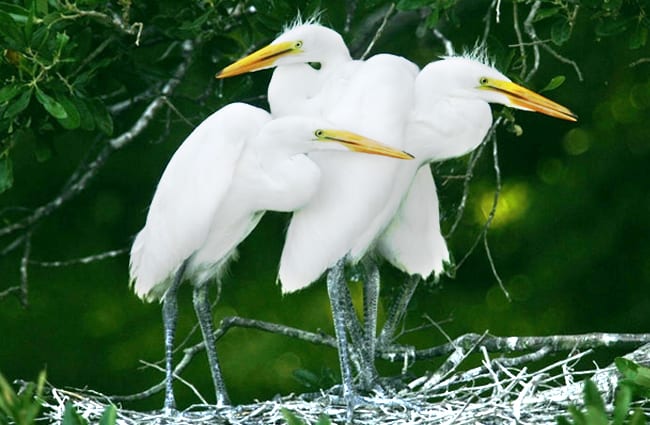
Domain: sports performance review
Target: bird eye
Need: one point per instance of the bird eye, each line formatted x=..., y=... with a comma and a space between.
x=298, y=44
x=483, y=81
x=319, y=133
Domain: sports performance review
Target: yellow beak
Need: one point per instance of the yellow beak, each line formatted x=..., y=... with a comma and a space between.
x=528, y=99
x=260, y=59
x=357, y=143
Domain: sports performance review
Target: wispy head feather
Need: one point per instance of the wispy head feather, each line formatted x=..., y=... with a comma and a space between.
x=480, y=54
x=314, y=18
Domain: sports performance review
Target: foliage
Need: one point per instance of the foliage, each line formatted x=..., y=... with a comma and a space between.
x=636, y=383
x=21, y=408
x=292, y=419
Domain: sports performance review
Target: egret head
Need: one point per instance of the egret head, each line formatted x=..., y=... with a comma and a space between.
x=467, y=78
x=302, y=43
x=304, y=135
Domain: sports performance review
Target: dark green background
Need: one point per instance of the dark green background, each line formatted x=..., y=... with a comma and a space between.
x=569, y=240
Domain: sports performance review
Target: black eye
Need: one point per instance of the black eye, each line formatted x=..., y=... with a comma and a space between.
x=319, y=133
x=298, y=44
x=483, y=81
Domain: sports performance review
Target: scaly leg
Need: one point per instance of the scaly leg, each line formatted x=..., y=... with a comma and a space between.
x=170, y=317
x=398, y=310
x=203, y=311
x=370, y=305
x=335, y=280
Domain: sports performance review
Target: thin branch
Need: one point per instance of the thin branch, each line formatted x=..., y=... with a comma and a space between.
x=82, y=260
x=379, y=31
x=520, y=40
x=497, y=191
x=24, y=261
x=530, y=30
x=449, y=46
x=6, y=292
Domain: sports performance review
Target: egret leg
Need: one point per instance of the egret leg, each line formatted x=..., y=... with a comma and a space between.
x=203, y=311
x=335, y=281
x=370, y=305
x=170, y=317
x=398, y=310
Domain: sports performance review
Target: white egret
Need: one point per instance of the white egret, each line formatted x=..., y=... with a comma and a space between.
x=234, y=166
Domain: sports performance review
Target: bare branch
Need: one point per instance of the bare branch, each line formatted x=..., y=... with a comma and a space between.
x=24, y=290
x=379, y=31
x=83, y=260
x=530, y=30
x=449, y=46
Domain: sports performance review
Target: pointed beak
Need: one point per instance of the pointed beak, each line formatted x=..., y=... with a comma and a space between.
x=357, y=143
x=527, y=99
x=261, y=59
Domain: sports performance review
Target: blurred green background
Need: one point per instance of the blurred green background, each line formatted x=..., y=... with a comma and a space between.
x=569, y=239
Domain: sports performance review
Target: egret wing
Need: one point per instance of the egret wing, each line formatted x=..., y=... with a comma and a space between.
x=188, y=196
x=413, y=241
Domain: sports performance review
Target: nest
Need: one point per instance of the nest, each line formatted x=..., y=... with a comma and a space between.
x=488, y=394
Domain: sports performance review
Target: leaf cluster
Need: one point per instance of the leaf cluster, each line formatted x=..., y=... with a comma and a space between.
x=21, y=408
x=635, y=384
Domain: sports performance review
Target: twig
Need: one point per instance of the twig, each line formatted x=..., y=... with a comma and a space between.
x=520, y=39
x=530, y=30
x=24, y=290
x=379, y=31
x=449, y=46
x=6, y=292
x=83, y=260
x=184, y=381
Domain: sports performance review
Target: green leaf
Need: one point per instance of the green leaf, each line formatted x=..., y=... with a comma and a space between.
x=291, y=417
x=71, y=417
x=61, y=40
x=593, y=397
x=433, y=18
x=555, y=82
x=8, y=92
x=87, y=122
x=102, y=117
x=6, y=181
x=636, y=374
x=52, y=106
x=546, y=13
x=73, y=118
x=638, y=418
x=109, y=417
x=11, y=31
x=622, y=400
x=323, y=419
x=19, y=105
x=560, y=31
x=561, y=420
x=578, y=416
x=610, y=27
x=18, y=13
